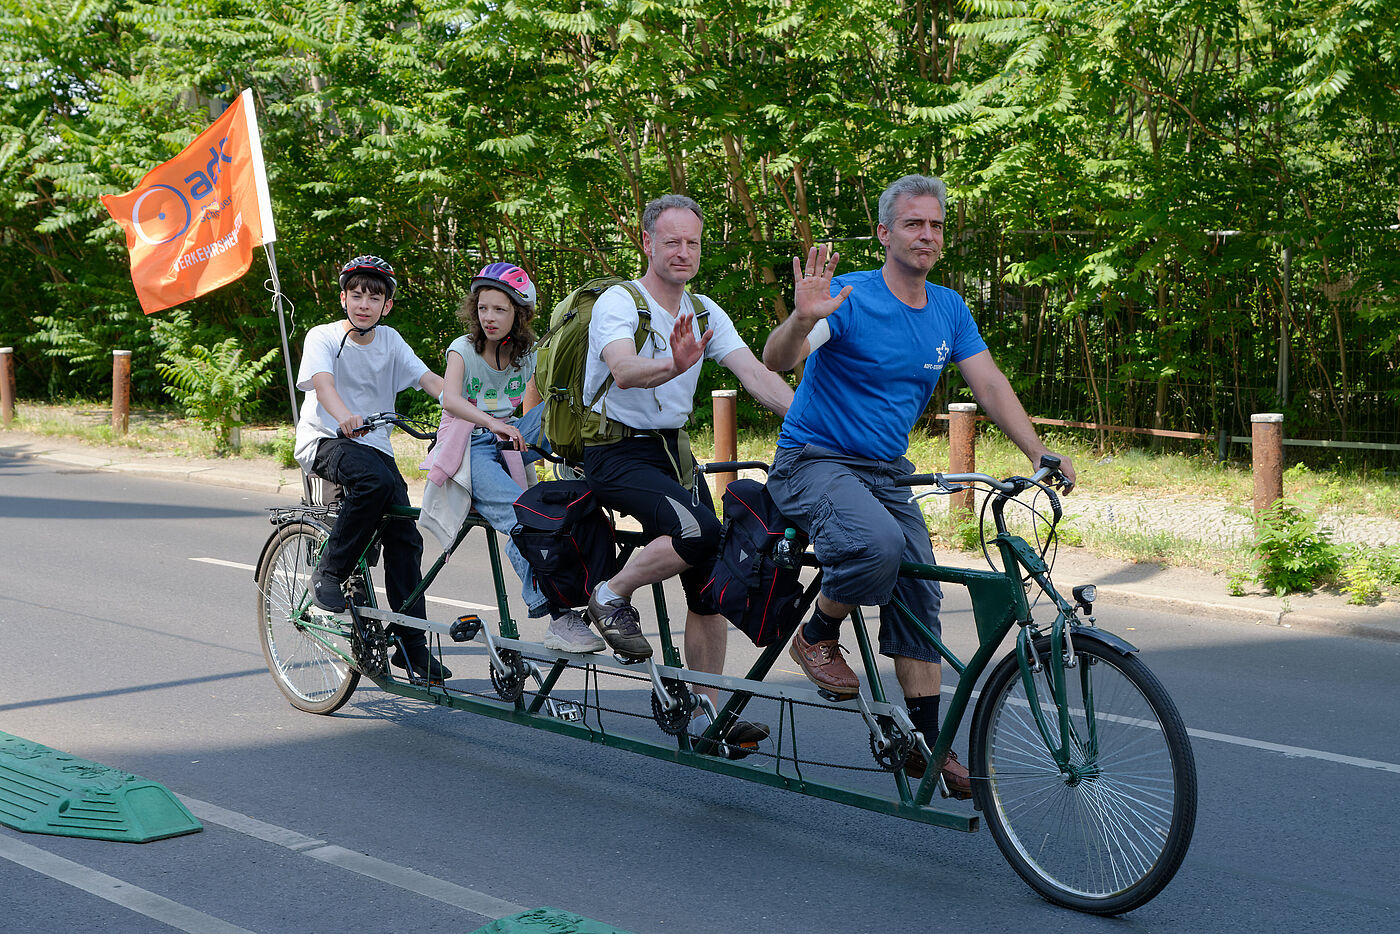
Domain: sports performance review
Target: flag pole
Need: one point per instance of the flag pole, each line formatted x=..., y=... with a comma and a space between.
x=282, y=327
x=269, y=231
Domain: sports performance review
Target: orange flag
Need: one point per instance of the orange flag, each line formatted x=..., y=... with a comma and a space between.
x=192, y=223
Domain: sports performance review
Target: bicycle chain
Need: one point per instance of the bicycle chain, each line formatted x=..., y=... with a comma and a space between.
x=586, y=706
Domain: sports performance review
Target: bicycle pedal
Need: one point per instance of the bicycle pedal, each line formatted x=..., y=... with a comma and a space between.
x=569, y=712
x=834, y=697
x=466, y=628
x=631, y=661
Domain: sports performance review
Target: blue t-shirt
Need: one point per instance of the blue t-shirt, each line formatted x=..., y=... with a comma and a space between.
x=866, y=386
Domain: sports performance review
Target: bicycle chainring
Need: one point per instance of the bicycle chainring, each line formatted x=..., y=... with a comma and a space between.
x=370, y=647
x=895, y=754
x=509, y=686
x=673, y=722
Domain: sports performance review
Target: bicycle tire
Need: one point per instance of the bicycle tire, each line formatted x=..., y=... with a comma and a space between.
x=1109, y=839
x=307, y=672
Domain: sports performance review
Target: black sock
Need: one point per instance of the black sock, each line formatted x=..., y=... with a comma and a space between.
x=820, y=627
x=923, y=711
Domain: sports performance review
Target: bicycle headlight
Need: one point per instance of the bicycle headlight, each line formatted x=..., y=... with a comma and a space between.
x=1084, y=596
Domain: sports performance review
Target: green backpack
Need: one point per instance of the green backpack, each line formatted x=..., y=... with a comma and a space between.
x=561, y=357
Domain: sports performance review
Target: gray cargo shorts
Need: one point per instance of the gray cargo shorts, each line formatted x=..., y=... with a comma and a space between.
x=862, y=527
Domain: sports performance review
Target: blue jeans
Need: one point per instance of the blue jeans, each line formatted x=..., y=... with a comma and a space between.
x=494, y=493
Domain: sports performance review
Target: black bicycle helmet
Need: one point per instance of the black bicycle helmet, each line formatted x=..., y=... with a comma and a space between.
x=372, y=265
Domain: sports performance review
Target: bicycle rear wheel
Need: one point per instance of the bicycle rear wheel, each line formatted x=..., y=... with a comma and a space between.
x=307, y=670
x=1108, y=834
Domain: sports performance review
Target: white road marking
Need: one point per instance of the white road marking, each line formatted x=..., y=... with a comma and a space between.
x=1293, y=752
x=1296, y=752
x=391, y=873
x=445, y=601
x=158, y=907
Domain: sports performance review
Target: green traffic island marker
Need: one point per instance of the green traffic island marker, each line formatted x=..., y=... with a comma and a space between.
x=43, y=790
x=547, y=921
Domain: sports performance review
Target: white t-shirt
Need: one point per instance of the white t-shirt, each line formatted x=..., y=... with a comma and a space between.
x=367, y=378
x=496, y=392
x=668, y=405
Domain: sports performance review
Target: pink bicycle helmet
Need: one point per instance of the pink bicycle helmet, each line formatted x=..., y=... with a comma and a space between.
x=509, y=278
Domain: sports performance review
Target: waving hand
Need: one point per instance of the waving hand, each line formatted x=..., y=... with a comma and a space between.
x=812, y=285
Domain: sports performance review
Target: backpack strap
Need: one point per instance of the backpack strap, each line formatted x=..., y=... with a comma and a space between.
x=644, y=333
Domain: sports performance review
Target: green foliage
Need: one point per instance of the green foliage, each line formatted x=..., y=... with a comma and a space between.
x=1368, y=572
x=1098, y=154
x=212, y=383
x=1292, y=553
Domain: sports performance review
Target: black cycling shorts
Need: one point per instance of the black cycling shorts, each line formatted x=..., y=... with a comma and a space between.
x=637, y=476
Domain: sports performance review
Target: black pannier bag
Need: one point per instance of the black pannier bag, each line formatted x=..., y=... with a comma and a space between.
x=758, y=594
x=567, y=539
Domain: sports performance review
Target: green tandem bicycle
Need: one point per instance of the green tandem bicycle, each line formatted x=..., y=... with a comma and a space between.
x=1080, y=762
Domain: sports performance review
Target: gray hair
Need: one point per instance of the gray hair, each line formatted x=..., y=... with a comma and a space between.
x=655, y=208
x=911, y=186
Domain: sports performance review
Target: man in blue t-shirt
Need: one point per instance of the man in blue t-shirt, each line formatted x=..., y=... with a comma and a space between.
x=875, y=343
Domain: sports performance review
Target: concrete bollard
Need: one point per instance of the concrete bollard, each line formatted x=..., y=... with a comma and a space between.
x=962, y=451
x=7, y=386
x=121, y=391
x=726, y=412
x=1266, y=432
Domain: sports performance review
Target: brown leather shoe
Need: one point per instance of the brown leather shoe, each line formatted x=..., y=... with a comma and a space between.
x=823, y=665
x=955, y=776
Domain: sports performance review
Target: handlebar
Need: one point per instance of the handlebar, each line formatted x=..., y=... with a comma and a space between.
x=539, y=451
x=733, y=466
x=410, y=426
x=1047, y=476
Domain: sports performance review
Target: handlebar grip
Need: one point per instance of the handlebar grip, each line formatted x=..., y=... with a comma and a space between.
x=733, y=466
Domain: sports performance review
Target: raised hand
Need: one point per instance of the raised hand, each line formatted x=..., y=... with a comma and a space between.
x=686, y=349
x=812, y=285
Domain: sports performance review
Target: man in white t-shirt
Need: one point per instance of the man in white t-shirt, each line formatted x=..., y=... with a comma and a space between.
x=352, y=368
x=645, y=469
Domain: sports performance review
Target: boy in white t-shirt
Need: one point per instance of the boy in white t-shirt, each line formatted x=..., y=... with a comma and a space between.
x=349, y=369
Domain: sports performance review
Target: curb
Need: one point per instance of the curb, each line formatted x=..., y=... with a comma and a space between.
x=1284, y=619
x=210, y=476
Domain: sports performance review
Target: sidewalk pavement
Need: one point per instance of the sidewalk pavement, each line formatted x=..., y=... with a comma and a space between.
x=1183, y=591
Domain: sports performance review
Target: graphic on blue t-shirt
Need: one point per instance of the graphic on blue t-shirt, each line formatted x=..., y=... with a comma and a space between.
x=863, y=390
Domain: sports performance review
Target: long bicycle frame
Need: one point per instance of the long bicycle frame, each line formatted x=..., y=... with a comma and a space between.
x=1034, y=719
x=999, y=604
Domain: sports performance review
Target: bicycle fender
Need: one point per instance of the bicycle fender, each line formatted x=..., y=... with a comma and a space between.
x=1104, y=638
x=278, y=525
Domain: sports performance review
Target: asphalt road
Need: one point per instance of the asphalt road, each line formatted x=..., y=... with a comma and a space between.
x=126, y=606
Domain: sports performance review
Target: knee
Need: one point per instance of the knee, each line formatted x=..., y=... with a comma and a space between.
x=696, y=535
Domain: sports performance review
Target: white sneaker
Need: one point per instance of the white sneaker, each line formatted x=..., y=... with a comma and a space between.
x=571, y=633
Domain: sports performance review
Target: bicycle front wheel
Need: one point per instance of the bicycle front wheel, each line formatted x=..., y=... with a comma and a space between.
x=301, y=656
x=1108, y=832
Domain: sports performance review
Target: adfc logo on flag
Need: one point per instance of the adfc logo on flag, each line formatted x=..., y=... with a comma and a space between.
x=192, y=223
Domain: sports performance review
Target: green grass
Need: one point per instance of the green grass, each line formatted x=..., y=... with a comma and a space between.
x=1347, y=490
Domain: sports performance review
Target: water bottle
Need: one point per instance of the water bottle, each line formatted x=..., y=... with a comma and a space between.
x=785, y=551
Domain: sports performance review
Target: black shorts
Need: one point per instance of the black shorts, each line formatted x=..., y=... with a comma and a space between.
x=637, y=476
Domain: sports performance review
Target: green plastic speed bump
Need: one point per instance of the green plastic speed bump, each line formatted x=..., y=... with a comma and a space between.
x=547, y=921
x=43, y=790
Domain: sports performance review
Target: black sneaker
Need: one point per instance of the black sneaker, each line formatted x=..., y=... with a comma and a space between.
x=327, y=592
x=740, y=740
x=420, y=664
x=620, y=625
